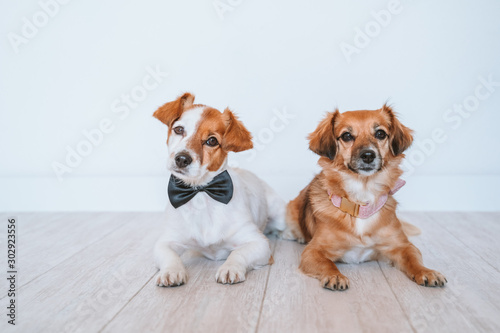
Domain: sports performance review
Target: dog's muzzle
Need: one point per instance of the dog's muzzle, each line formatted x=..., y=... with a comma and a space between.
x=367, y=161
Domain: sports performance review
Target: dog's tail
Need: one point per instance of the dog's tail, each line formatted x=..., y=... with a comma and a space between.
x=280, y=223
x=297, y=211
x=293, y=230
x=410, y=229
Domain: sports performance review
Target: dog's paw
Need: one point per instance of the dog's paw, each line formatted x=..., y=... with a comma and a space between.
x=335, y=282
x=231, y=274
x=289, y=234
x=171, y=277
x=429, y=278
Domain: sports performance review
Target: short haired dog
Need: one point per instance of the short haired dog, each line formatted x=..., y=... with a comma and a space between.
x=218, y=211
x=347, y=212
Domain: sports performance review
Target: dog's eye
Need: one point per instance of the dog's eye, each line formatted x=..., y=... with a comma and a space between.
x=381, y=135
x=346, y=137
x=212, y=142
x=179, y=130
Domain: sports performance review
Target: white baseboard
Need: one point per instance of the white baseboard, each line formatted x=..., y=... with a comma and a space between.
x=422, y=193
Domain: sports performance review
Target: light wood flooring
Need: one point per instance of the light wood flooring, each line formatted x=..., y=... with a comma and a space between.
x=93, y=272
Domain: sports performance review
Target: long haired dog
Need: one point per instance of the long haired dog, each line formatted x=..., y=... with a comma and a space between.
x=214, y=210
x=347, y=212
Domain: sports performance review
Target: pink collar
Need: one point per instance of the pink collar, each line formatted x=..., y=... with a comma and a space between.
x=363, y=211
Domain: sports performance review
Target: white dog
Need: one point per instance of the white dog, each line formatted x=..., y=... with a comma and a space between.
x=218, y=211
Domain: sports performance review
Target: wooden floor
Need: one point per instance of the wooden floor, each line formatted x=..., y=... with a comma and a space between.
x=93, y=272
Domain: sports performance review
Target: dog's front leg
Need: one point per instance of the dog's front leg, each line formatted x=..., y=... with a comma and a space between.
x=250, y=255
x=317, y=262
x=172, y=271
x=408, y=258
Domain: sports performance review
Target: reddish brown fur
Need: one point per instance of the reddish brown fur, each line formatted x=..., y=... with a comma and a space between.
x=169, y=112
x=211, y=124
x=237, y=138
x=330, y=232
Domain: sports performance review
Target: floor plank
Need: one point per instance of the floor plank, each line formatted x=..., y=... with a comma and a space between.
x=202, y=305
x=469, y=302
x=476, y=231
x=297, y=303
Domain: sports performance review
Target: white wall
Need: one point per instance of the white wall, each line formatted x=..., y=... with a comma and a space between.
x=259, y=58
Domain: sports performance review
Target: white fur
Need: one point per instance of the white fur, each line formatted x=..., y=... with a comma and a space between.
x=364, y=250
x=362, y=193
x=358, y=254
x=234, y=231
x=218, y=231
x=357, y=191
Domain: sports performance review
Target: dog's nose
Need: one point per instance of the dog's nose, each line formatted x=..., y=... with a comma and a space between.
x=367, y=156
x=183, y=160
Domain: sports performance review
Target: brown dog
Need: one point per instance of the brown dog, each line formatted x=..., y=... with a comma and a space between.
x=347, y=212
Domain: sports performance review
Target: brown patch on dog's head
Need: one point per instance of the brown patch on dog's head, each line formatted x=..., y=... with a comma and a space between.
x=171, y=111
x=208, y=141
x=230, y=133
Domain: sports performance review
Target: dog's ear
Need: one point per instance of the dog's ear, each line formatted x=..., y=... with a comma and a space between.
x=171, y=111
x=322, y=140
x=237, y=137
x=400, y=136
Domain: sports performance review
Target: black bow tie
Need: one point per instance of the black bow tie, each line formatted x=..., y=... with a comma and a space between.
x=219, y=189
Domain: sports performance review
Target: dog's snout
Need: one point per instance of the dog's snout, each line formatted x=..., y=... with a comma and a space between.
x=182, y=160
x=367, y=155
